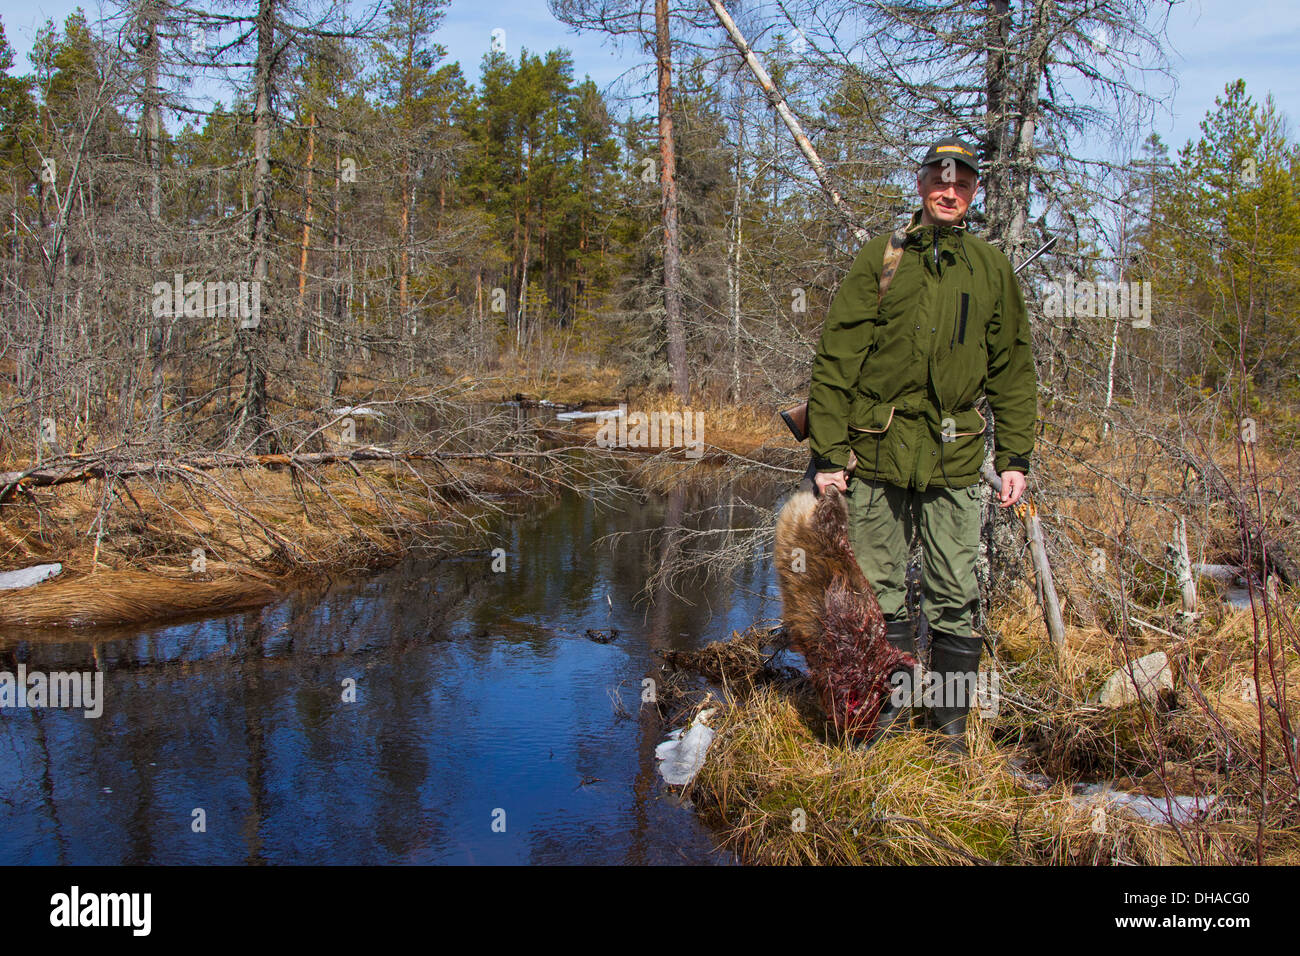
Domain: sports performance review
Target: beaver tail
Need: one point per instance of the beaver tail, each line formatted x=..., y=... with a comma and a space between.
x=831, y=612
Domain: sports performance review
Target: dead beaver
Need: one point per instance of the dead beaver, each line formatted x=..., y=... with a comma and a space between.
x=832, y=615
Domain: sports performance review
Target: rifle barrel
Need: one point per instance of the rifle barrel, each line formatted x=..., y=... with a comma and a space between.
x=1041, y=249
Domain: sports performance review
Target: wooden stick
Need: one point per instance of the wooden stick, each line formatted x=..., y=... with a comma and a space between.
x=1050, y=602
x=1183, y=567
x=1046, y=586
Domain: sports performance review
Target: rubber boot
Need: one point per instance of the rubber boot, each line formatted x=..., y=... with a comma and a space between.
x=954, y=668
x=888, y=721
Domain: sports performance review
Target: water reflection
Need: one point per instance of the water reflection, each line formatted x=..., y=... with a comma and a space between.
x=478, y=699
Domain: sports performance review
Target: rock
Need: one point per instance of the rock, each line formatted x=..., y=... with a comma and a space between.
x=1151, y=674
x=26, y=577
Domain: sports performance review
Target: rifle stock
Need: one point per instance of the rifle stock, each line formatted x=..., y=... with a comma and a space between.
x=796, y=419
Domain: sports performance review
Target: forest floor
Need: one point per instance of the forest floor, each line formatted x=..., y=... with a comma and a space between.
x=1050, y=776
x=735, y=429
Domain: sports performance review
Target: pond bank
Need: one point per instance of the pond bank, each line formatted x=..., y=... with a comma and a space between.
x=137, y=550
x=158, y=550
x=1051, y=779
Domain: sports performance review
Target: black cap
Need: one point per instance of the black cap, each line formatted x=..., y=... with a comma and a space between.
x=956, y=149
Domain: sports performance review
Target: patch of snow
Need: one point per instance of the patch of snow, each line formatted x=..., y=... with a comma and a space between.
x=583, y=416
x=1179, y=809
x=681, y=756
x=26, y=577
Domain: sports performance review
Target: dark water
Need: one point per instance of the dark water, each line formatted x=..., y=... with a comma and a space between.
x=479, y=699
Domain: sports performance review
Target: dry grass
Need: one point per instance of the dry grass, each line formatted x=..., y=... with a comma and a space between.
x=1217, y=733
x=900, y=803
x=735, y=438
x=1110, y=505
x=127, y=597
x=574, y=384
x=134, y=556
x=782, y=792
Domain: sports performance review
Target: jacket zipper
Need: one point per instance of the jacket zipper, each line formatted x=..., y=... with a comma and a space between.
x=959, y=338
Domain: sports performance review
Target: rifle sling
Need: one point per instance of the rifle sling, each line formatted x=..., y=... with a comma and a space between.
x=893, y=256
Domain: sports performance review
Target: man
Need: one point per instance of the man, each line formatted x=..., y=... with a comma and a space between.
x=895, y=381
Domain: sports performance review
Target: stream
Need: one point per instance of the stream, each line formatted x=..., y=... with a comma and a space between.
x=438, y=712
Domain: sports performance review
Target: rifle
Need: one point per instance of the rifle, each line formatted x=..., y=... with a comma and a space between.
x=796, y=418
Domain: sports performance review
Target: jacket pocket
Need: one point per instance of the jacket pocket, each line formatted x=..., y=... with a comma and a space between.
x=965, y=424
x=962, y=373
x=871, y=436
x=959, y=321
x=869, y=417
x=961, y=443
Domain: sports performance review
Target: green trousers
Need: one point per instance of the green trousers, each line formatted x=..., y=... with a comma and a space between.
x=882, y=518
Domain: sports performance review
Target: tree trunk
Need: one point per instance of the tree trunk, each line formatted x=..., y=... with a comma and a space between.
x=306, y=222
x=1028, y=113
x=152, y=124
x=1011, y=118
x=733, y=261
x=997, y=33
x=668, y=177
x=251, y=424
x=791, y=122
x=404, y=217
x=1114, y=333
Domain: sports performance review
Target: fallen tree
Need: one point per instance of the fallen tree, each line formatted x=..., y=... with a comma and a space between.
x=110, y=465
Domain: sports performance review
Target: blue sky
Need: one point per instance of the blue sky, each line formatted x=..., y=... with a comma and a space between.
x=1214, y=41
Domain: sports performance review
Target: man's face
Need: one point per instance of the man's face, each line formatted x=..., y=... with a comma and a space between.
x=946, y=190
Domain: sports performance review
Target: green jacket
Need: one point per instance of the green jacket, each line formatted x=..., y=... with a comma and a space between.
x=899, y=384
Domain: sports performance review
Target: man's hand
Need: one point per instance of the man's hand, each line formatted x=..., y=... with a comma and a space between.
x=1013, y=486
x=825, y=479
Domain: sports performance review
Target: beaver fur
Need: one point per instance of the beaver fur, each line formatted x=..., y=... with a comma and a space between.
x=831, y=613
